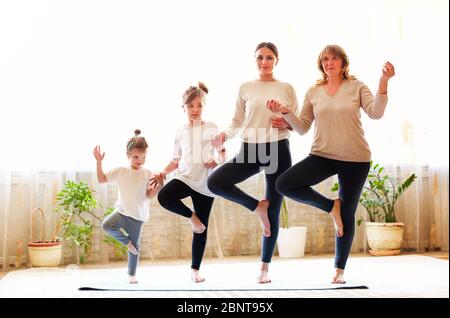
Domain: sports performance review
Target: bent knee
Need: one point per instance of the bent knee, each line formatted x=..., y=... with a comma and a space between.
x=214, y=184
x=106, y=225
x=163, y=197
x=281, y=186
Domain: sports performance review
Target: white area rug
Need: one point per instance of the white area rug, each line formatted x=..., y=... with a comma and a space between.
x=397, y=276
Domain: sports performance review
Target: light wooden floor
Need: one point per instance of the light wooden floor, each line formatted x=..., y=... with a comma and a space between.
x=234, y=259
x=387, y=277
x=423, y=275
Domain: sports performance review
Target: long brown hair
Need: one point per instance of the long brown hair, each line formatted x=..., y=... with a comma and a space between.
x=338, y=51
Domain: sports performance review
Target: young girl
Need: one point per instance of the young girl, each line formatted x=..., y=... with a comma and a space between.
x=131, y=208
x=193, y=160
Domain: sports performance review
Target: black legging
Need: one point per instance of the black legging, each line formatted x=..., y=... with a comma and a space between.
x=296, y=184
x=274, y=158
x=170, y=198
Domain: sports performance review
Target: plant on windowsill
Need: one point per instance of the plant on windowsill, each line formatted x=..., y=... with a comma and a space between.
x=291, y=239
x=379, y=196
x=76, y=204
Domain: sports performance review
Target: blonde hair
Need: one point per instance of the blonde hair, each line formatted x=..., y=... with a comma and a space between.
x=136, y=142
x=335, y=50
x=194, y=91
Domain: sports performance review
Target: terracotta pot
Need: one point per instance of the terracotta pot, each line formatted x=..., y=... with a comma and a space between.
x=43, y=253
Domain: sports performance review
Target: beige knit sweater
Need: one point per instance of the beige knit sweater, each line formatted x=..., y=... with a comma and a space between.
x=338, y=131
x=251, y=117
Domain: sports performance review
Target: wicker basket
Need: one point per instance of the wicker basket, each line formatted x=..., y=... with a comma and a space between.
x=43, y=253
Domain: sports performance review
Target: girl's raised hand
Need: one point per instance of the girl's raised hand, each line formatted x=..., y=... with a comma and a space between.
x=97, y=154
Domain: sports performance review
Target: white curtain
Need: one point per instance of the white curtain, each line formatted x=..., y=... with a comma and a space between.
x=232, y=229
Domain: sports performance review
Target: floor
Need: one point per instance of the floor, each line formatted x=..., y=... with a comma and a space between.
x=423, y=275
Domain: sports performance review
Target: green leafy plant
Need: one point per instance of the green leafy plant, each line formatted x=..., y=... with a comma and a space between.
x=75, y=203
x=380, y=194
x=120, y=250
x=284, y=215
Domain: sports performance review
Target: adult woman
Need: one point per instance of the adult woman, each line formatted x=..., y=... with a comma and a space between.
x=265, y=146
x=339, y=146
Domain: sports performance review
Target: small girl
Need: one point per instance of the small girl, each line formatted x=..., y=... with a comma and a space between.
x=194, y=158
x=131, y=209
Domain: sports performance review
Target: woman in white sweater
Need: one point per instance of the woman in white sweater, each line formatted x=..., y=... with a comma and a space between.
x=339, y=146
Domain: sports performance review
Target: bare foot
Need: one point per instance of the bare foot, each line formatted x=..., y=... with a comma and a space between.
x=263, y=278
x=336, y=214
x=338, y=278
x=132, y=249
x=132, y=279
x=261, y=210
x=196, y=277
x=197, y=225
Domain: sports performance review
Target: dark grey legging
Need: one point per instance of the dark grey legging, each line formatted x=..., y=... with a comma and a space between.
x=296, y=184
x=170, y=198
x=114, y=223
x=274, y=158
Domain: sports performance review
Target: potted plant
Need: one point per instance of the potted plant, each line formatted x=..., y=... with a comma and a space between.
x=379, y=196
x=75, y=203
x=291, y=239
x=43, y=252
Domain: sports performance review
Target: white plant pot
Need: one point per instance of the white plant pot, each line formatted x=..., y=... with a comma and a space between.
x=43, y=254
x=291, y=241
x=384, y=238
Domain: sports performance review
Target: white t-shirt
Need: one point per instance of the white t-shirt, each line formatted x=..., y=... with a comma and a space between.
x=132, y=200
x=193, y=148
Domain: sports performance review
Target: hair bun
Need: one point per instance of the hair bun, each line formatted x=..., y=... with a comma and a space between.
x=137, y=132
x=203, y=87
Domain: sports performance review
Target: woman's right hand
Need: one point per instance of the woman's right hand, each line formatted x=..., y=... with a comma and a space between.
x=218, y=141
x=276, y=107
x=98, y=155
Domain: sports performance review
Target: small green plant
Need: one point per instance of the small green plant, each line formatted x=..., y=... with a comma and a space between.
x=380, y=194
x=75, y=203
x=120, y=250
x=284, y=215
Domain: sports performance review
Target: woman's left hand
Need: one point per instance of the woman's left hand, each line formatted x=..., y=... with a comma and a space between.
x=388, y=71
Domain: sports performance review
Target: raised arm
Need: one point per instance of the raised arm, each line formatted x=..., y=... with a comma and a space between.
x=374, y=107
x=101, y=177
